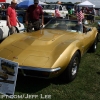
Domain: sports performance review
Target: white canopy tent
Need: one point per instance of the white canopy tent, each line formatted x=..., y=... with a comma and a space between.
x=86, y=4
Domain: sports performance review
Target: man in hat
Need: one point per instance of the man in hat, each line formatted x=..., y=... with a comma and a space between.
x=12, y=17
x=33, y=15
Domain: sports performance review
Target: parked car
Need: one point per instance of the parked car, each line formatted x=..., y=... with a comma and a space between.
x=49, y=11
x=4, y=30
x=4, y=5
x=53, y=51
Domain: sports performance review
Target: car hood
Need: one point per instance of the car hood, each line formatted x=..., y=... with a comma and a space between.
x=49, y=11
x=35, y=48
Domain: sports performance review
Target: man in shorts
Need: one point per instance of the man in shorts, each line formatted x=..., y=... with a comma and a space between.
x=12, y=17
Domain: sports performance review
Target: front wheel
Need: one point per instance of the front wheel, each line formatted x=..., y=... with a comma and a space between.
x=71, y=71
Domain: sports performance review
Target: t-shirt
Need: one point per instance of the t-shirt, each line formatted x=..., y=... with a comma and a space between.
x=57, y=12
x=12, y=16
x=80, y=16
x=70, y=11
x=34, y=12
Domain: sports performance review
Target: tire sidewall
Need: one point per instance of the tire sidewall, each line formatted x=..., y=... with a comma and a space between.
x=70, y=66
x=67, y=76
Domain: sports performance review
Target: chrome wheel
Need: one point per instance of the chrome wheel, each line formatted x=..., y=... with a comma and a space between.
x=75, y=66
x=71, y=71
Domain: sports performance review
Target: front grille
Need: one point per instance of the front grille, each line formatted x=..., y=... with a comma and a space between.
x=34, y=73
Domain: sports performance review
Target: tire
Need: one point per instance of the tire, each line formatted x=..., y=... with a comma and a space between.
x=70, y=72
x=98, y=37
x=94, y=46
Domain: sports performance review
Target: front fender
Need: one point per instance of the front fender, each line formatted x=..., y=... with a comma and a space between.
x=65, y=57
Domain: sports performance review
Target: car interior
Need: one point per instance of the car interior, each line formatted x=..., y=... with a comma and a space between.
x=67, y=25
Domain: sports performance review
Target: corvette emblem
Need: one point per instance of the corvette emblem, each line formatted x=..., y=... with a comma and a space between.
x=15, y=57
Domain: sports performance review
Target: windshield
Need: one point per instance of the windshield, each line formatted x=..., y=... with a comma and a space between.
x=63, y=24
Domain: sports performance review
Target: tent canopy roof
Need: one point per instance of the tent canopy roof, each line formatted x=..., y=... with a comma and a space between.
x=86, y=4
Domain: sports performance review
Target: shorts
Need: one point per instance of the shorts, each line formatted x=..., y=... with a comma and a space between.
x=12, y=30
x=34, y=24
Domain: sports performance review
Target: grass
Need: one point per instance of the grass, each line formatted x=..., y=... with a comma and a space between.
x=86, y=86
x=97, y=17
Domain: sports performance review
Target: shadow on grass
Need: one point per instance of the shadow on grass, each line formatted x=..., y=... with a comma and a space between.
x=98, y=73
x=30, y=84
x=27, y=84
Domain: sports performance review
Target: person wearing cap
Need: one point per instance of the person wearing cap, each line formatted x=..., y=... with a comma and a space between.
x=58, y=2
x=33, y=14
x=12, y=17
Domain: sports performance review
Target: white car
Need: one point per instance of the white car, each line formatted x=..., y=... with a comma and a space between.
x=4, y=30
x=49, y=10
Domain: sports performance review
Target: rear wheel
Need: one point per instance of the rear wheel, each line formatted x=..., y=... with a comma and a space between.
x=71, y=71
x=94, y=46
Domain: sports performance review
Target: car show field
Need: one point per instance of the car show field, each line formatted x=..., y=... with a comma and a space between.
x=58, y=62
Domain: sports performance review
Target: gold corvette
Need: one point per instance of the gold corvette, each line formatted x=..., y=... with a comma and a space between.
x=52, y=51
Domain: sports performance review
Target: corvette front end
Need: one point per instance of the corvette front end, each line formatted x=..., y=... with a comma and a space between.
x=39, y=72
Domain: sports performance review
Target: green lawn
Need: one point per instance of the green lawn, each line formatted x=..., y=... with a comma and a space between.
x=86, y=86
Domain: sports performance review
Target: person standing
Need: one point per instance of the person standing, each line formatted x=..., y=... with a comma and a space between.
x=80, y=17
x=57, y=12
x=70, y=11
x=93, y=15
x=12, y=17
x=33, y=15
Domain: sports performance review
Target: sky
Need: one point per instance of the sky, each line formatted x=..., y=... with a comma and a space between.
x=95, y=2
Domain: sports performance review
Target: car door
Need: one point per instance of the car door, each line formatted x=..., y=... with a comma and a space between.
x=87, y=40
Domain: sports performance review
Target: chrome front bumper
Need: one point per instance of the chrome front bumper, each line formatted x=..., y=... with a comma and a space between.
x=39, y=72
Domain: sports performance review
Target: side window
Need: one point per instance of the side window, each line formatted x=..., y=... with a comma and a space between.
x=60, y=8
